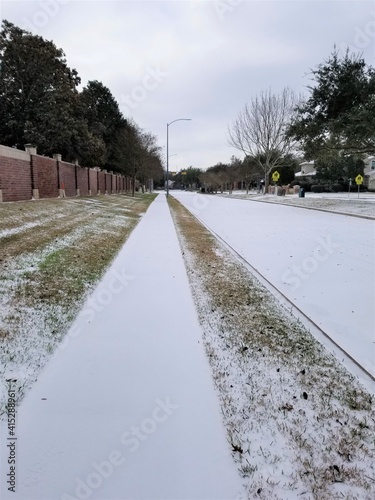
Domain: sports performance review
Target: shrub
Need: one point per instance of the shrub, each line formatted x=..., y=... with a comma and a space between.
x=316, y=188
x=305, y=185
x=337, y=188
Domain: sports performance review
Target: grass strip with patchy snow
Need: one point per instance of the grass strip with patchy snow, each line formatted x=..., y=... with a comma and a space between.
x=299, y=424
x=53, y=253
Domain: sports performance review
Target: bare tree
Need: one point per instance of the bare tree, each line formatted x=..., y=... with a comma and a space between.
x=150, y=163
x=234, y=172
x=250, y=173
x=210, y=181
x=259, y=130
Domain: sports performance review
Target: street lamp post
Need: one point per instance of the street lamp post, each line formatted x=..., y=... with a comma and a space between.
x=178, y=120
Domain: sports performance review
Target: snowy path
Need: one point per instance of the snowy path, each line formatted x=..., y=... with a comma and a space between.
x=324, y=263
x=127, y=409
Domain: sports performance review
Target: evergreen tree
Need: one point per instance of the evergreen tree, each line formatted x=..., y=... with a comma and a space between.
x=39, y=102
x=340, y=112
x=105, y=121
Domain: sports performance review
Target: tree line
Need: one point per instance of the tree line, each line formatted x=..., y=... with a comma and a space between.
x=243, y=174
x=334, y=126
x=41, y=104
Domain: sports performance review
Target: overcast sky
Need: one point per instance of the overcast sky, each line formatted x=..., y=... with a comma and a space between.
x=198, y=59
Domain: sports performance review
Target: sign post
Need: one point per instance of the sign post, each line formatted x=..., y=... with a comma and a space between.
x=275, y=178
x=359, y=181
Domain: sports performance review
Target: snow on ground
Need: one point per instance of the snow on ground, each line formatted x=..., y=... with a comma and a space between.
x=53, y=254
x=324, y=263
x=29, y=225
x=126, y=408
x=34, y=338
x=332, y=202
x=300, y=425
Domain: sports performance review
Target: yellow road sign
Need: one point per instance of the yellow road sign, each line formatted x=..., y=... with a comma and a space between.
x=275, y=176
x=359, y=179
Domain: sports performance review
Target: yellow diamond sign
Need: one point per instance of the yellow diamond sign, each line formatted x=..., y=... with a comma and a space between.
x=359, y=179
x=275, y=176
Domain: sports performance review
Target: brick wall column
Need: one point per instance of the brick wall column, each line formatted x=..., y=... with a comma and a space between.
x=34, y=178
x=111, y=177
x=88, y=181
x=76, y=177
x=105, y=182
x=60, y=185
x=31, y=150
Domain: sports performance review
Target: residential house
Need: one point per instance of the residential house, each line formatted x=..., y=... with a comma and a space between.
x=307, y=170
x=369, y=172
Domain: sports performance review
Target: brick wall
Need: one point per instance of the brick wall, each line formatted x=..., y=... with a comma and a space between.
x=45, y=176
x=93, y=181
x=15, y=179
x=67, y=178
x=108, y=183
x=82, y=181
x=102, y=185
x=24, y=174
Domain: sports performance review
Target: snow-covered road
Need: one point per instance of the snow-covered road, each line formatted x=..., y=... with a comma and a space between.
x=324, y=263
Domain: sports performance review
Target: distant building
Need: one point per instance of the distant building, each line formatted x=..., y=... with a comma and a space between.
x=369, y=172
x=170, y=184
x=307, y=170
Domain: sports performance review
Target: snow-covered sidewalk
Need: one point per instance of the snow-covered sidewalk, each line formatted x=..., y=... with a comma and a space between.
x=126, y=409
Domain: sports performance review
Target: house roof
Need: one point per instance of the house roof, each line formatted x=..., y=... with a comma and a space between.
x=309, y=174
